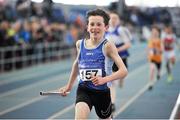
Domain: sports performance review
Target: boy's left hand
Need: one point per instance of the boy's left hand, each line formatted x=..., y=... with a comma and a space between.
x=97, y=80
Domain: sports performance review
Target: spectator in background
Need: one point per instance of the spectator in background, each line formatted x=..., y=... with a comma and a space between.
x=165, y=16
x=26, y=36
x=23, y=8
x=71, y=35
x=47, y=8
x=4, y=26
x=5, y=41
x=25, y=33
x=36, y=10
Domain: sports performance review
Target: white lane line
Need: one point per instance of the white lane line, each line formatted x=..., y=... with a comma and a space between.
x=129, y=102
x=46, y=81
x=35, y=99
x=132, y=99
x=21, y=105
x=30, y=69
x=23, y=77
x=140, y=57
x=175, y=109
x=67, y=109
x=22, y=71
x=32, y=74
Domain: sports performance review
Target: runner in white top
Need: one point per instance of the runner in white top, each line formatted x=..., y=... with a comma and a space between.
x=121, y=37
x=169, y=41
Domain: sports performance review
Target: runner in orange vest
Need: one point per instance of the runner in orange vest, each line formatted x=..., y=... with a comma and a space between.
x=155, y=48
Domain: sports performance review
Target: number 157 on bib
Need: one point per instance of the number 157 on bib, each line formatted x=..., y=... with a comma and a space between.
x=86, y=74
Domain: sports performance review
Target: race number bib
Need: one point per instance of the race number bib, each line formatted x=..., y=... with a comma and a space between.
x=85, y=74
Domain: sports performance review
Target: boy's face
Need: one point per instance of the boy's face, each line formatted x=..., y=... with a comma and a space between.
x=96, y=27
x=155, y=32
x=114, y=19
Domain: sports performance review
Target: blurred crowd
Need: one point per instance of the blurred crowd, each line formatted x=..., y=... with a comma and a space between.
x=31, y=26
x=27, y=24
x=30, y=23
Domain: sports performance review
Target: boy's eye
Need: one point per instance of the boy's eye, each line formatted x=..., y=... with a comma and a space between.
x=98, y=24
x=92, y=24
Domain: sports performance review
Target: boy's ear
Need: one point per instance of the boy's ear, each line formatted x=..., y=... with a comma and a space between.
x=86, y=28
x=107, y=27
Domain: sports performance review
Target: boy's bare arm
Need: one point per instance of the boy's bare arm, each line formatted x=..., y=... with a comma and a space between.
x=111, y=52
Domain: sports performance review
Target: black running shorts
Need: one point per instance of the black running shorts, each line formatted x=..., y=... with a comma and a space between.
x=100, y=99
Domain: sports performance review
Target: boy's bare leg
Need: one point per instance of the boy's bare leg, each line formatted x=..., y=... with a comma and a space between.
x=81, y=111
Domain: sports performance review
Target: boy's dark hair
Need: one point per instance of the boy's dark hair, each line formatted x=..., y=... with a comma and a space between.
x=115, y=12
x=98, y=12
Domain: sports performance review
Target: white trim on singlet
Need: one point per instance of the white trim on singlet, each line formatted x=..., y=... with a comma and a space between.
x=108, y=64
x=92, y=48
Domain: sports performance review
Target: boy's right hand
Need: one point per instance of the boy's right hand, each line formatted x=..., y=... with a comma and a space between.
x=64, y=91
